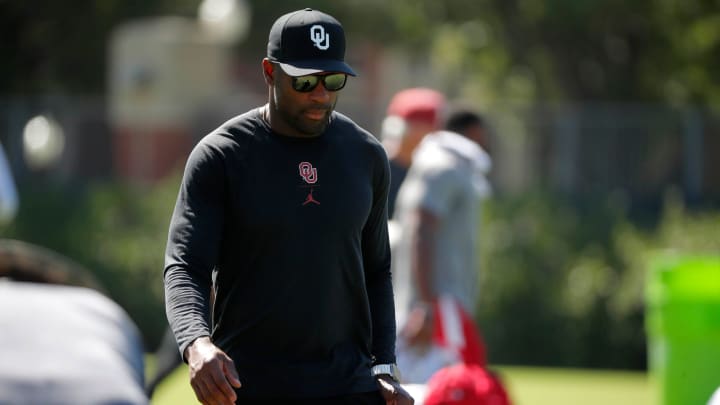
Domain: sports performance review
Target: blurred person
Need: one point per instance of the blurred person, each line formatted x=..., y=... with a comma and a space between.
x=438, y=209
x=449, y=336
x=465, y=384
x=411, y=114
x=8, y=192
x=63, y=341
x=282, y=212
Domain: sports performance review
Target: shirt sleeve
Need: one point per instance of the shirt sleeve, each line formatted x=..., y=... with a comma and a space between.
x=193, y=245
x=437, y=188
x=376, y=260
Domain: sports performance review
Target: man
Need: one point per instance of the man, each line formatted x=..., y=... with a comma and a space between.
x=282, y=211
x=411, y=114
x=438, y=210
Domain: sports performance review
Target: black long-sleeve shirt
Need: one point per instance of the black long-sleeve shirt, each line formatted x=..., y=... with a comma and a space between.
x=294, y=233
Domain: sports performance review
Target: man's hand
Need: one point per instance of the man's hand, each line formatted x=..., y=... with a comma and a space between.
x=212, y=373
x=392, y=392
x=418, y=328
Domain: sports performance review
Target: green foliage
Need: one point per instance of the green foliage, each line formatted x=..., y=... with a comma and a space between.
x=503, y=50
x=129, y=231
x=563, y=50
x=563, y=282
x=529, y=244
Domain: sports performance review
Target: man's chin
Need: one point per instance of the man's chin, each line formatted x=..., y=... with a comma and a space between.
x=312, y=127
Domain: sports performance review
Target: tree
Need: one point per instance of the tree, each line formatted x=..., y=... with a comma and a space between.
x=557, y=50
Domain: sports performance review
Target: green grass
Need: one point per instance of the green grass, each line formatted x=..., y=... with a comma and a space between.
x=526, y=385
x=175, y=390
x=548, y=386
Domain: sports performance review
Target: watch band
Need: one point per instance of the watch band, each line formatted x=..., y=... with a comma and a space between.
x=386, y=369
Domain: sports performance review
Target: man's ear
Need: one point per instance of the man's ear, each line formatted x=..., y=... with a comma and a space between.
x=268, y=71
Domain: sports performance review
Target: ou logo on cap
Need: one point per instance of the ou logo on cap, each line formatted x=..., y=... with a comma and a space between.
x=318, y=36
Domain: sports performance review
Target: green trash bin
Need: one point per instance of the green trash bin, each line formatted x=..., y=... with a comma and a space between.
x=683, y=328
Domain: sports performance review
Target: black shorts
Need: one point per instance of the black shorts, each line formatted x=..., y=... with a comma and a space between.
x=365, y=398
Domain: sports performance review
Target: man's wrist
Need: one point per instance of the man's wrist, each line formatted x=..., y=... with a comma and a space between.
x=389, y=370
x=194, y=345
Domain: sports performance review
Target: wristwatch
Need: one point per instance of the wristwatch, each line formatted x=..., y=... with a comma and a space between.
x=390, y=370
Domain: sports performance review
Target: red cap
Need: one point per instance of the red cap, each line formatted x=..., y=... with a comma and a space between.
x=465, y=384
x=418, y=104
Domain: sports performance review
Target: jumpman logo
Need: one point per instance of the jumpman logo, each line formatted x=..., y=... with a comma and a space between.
x=310, y=199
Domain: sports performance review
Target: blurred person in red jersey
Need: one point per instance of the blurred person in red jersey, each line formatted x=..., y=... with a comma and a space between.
x=436, y=266
x=411, y=114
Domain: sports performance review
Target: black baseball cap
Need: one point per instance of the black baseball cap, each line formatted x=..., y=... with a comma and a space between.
x=308, y=41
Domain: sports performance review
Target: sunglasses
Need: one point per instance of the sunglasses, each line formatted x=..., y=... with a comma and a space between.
x=332, y=82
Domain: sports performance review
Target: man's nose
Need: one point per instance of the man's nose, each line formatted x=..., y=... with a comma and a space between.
x=320, y=94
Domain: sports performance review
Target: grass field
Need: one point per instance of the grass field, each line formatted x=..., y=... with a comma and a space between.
x=545, y=386
x=527, y=386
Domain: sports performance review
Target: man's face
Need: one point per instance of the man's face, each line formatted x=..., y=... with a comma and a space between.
x=299, y=113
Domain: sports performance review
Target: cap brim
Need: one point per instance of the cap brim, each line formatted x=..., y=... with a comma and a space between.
x=301, y=68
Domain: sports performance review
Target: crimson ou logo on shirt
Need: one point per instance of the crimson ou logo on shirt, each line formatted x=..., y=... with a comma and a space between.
x=308, y=172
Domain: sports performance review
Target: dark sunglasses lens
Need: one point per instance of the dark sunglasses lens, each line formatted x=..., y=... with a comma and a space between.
x=335, y=82
x=305, y=83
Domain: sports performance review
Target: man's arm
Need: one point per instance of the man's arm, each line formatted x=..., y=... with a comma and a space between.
x=435, y=195
x=192, y=251
x=193, y=246
x=418, y=328
x=422, y=253
x=376, y=261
